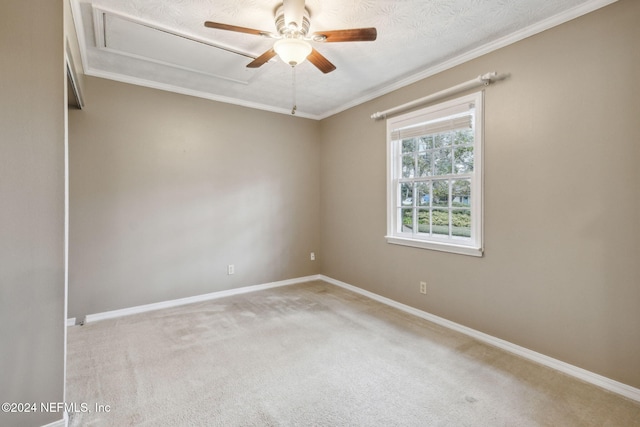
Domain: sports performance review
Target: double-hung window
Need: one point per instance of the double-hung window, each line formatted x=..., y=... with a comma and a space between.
x=435, y=177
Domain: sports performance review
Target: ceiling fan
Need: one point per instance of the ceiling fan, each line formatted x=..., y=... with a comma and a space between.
x=292, y=21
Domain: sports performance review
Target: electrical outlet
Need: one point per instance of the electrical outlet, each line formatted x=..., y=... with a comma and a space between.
x=231, y=269
x=312, y=256
x=423, y=287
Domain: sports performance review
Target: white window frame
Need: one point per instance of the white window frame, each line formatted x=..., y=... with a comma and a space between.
x=472, y=246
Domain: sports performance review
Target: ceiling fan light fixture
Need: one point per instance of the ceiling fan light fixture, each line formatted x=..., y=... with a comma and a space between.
x=292, y=51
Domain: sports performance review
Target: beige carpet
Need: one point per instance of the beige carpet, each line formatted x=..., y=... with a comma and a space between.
x=314, y=355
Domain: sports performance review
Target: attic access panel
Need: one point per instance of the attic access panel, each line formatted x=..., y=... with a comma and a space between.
x=133, y=38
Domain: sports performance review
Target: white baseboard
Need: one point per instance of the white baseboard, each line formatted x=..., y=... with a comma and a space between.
x=574, y=371
x=71, y=321
x=198, y=298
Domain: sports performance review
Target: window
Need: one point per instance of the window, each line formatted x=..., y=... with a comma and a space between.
x=435, y=177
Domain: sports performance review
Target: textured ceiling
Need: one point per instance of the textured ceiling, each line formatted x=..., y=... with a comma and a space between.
x=164, y=44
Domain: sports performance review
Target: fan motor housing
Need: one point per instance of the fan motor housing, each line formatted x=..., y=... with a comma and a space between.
x=284, y=30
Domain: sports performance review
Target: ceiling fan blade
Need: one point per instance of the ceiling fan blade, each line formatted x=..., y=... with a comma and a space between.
x=293, y=12
x=237, y=29
x=262, y=59
x=352, y=35
x=320, y=61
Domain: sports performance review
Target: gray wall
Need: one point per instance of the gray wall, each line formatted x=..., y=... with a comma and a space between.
x=166, y=190
x=32, y=139
x=561, y=274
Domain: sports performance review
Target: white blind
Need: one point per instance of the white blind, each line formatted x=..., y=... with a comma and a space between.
x=428, y=128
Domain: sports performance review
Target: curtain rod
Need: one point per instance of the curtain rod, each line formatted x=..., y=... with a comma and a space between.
x=484, y=79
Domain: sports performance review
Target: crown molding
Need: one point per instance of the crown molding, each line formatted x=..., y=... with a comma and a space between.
x=512, y=38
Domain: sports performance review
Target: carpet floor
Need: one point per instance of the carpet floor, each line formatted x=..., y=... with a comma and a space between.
x=313, y=354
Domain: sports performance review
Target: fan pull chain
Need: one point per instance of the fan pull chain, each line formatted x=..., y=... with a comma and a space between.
x=295, y=107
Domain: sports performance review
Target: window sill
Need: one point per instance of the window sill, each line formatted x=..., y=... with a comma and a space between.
x=436, y=246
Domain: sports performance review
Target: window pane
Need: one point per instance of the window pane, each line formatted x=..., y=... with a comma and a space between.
x=406, y=193
x=461, y=222
x=424, y=164
x=423, y=221
x=408, y=145
x=442, y=161
x=406, y=216
x=440, y=193
x=424, y=193
x=464, y=137
x=443, y=140
x=463, y=159
x=440, y=222
x=461, y=193
x=408, y=166
x=426, y=143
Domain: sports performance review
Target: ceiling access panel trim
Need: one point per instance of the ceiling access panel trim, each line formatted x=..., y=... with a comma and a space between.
x=76, y=11
x=127, y=36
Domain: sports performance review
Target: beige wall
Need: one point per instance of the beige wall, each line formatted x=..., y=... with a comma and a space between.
x=561, y=274
x=32, y=141
x=167, y=190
